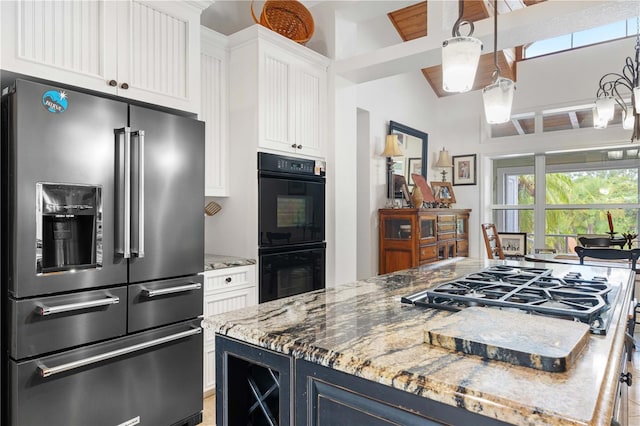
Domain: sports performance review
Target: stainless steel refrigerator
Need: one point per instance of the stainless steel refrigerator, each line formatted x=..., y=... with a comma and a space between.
x=103, y=229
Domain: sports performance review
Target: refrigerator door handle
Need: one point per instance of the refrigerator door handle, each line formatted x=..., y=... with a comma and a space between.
x=44, y=310
x=140, y=250
x=170, y=290
x=124, y=190
x=45, y=371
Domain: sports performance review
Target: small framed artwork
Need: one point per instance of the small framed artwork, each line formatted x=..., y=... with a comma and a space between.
x=415, y=166
x=401, y=189
x=443, y=193
x=513, y=243
x=464, y=169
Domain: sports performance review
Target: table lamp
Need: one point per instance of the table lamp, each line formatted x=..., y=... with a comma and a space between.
x=444, y=162
x=391, y=149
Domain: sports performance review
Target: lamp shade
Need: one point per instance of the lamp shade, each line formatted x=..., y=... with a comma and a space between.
x=605, y=107
x=444, y=160
x=598, y=122
x=391, y=147
x=629, y=119
x=498, y=98
x=460, y=57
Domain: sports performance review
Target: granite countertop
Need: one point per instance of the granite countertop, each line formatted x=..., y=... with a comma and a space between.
x=361, y=328
x=216, y=261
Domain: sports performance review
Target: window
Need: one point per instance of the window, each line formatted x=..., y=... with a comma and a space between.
x=595, y=35
x=579, y=188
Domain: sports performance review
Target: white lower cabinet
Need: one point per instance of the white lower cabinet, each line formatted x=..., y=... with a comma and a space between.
x=224, y=290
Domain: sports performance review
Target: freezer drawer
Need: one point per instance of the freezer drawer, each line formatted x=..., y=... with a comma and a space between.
x=113, y=382
x=157, y=303
x=45, y=324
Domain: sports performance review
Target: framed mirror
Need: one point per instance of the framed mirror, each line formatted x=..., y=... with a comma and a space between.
x=414, y=145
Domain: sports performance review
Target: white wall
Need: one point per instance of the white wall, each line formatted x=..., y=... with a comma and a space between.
x=557, y=80
x=406, y=99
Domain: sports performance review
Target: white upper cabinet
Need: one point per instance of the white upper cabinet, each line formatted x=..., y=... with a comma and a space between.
x=288, y=84
x=214, y=87
x=143, y=50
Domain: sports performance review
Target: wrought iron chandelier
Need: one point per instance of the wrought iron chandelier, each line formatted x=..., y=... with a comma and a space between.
x=608, y=94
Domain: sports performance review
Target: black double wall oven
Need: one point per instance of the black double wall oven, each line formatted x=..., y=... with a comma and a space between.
x=291, y=226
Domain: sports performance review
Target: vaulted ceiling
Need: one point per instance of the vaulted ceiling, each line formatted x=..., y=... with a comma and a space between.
x=411, y=23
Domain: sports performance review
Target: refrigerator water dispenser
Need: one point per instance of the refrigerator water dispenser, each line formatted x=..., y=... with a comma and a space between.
x=68, y=227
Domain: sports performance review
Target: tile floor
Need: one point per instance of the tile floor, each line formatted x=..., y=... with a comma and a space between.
x=209, y=417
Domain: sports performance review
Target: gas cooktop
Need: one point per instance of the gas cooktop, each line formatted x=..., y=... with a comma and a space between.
x=533, y=290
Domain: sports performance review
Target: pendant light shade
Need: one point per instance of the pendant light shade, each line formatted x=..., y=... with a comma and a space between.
x=498, y=98
x=460, y=57
x=628, y=118
x=605, y=107
x=598, y=122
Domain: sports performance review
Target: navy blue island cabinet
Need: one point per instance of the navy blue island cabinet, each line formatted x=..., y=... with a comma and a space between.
x=257, y=386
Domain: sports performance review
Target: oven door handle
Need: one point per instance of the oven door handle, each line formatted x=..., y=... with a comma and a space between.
x=45, y=371
x=178, y=289
x=44, y=310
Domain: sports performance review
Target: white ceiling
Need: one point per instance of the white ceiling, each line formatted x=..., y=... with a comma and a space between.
x=544, y=20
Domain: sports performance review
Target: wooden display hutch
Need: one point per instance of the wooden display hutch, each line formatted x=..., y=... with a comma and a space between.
x=413, y=237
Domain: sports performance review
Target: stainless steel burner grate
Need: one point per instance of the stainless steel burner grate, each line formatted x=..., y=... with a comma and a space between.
x=533, y=290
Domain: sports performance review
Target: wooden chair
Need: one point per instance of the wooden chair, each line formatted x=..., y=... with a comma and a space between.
x=492, y=241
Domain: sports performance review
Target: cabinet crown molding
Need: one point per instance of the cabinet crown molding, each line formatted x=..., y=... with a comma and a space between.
x=258, y=32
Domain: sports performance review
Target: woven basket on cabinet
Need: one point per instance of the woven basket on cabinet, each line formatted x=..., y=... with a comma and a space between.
x=287, y=17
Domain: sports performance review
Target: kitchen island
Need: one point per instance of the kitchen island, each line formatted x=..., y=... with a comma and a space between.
x=355, y=354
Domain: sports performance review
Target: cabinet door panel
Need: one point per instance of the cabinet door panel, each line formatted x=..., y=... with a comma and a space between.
x=276, y=95
x=213, y=110
x=155, y=45
x=308, y=110
x=60, y=41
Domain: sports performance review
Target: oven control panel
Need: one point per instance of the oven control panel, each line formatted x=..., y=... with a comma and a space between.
x=278, y=163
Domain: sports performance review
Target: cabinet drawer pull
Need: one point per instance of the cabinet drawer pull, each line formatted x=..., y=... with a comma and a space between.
x=124, y=86
x=44, y=310
x=112, y=83
x=170, y=290
x=299, y=147
x=228, y=279
x=293, y=146
x=45, y=371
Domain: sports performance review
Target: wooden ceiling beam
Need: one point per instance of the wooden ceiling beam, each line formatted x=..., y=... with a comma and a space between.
x=573, y=117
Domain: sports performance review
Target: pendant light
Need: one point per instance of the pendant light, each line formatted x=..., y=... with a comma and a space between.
x=605, y=107
x=498, y=96
x=460, y=57
x=629, y=118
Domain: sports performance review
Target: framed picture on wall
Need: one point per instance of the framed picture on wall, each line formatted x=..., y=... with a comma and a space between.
x=464, y=169
x=513, y=243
